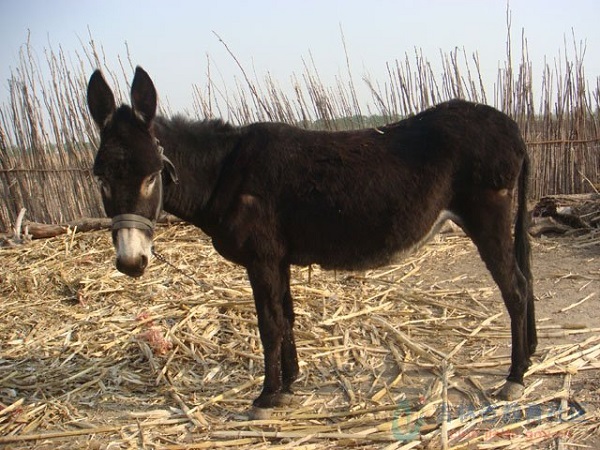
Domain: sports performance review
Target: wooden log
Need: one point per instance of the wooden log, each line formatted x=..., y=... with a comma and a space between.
x=545, y=225
x=42, y=230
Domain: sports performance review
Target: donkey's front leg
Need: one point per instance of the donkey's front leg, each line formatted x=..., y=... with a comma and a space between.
x=268, y=287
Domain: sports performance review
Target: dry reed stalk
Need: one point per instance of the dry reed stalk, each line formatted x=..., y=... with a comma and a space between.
x=235, y=443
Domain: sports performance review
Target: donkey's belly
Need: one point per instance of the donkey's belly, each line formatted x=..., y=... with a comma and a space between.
x=442, y=218
x=366, y=248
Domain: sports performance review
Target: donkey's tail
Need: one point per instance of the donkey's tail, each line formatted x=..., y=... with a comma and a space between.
x=522, y=244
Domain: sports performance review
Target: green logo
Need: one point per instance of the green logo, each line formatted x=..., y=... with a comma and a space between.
x=402, y=428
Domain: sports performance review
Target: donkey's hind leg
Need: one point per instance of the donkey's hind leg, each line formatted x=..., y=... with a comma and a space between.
x=488, y=224
x=289, y=356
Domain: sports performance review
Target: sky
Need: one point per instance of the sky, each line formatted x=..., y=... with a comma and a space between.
x=174, y=40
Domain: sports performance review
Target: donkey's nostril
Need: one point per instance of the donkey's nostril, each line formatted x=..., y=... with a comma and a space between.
x=143, y=262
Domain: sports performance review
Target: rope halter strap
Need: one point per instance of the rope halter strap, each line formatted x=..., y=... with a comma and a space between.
x=132, y=221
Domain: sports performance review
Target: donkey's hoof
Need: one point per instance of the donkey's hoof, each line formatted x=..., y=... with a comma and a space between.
x=274, y=400
x=262, y=409
x=257, y=413
x=285, y=399
x=511, y=391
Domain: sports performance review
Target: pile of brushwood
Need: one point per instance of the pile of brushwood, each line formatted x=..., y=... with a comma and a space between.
x=575, y=215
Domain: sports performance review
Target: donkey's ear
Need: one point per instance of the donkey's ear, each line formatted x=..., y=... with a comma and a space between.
x=143, y=95
x=100, y=98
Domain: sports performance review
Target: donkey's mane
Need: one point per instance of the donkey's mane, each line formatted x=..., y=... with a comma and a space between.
x=183, y=124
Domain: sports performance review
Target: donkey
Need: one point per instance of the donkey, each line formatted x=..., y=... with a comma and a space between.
x=271, y=195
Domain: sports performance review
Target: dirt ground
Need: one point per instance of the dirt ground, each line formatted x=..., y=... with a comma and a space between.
x=567, y=291
x=92, y=359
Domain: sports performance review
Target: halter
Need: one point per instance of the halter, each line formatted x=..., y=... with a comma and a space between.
x=132, y=221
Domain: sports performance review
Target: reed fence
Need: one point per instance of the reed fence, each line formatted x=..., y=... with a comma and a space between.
x=47, y=139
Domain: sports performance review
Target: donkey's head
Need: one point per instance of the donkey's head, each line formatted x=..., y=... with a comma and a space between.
x=128, y=166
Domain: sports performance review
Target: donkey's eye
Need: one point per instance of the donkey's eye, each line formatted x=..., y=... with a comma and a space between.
x=148, y=184
x=151, y=180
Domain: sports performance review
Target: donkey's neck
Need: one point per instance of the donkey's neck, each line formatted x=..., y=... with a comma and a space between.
x=198, y=150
